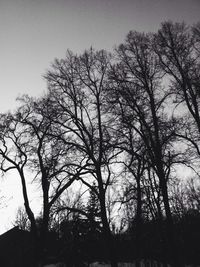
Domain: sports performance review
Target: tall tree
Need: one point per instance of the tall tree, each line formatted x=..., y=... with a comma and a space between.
x=137, y=88
x=77, y=86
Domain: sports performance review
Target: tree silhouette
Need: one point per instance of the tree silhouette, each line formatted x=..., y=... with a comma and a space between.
x=77, y=86
x=117, y=129
x=137, y=89
x=28, y=147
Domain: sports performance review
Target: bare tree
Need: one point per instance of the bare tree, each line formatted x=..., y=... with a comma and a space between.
x=28, y=147
x=21, y=219
x=137, y=88
x=178, y=50
x=77, y=86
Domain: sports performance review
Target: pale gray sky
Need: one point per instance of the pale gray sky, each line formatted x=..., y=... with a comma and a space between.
x=34, y=32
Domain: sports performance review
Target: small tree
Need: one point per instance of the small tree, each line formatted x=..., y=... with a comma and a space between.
x=93, y=211
x=21, y=219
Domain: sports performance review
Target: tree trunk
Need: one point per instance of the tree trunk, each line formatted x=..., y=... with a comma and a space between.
x=138, y=224
x=107, y=234
x=106, y=228
x=31, y=217
x=171, y=239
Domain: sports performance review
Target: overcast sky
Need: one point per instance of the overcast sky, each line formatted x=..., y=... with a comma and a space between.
x=34, y=32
